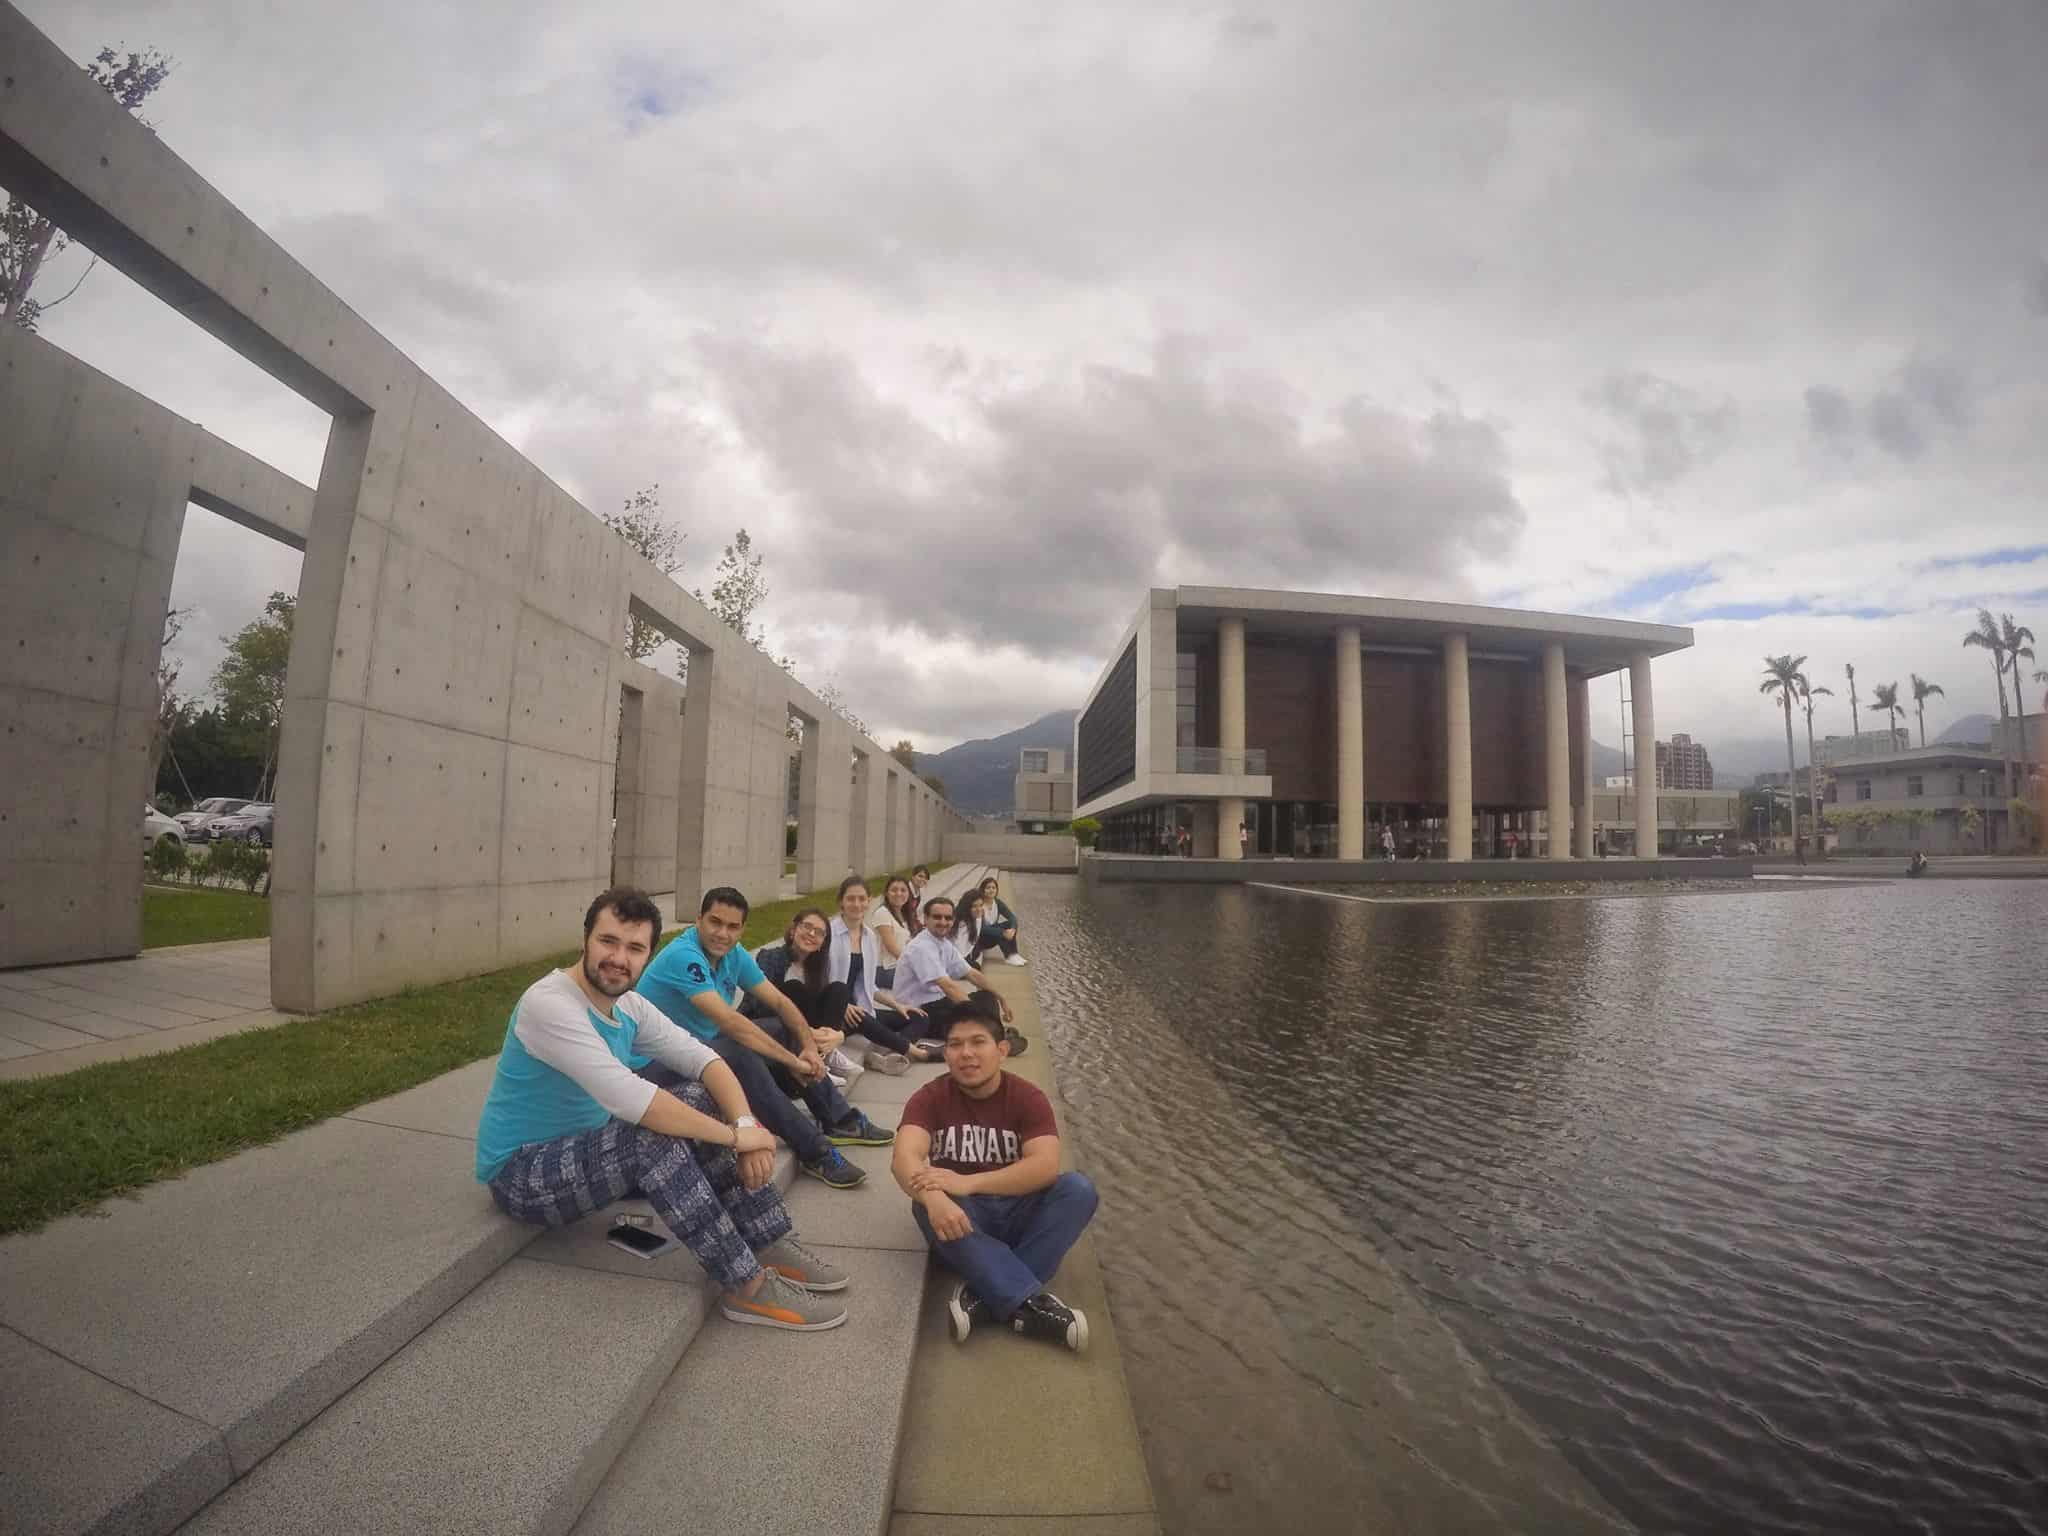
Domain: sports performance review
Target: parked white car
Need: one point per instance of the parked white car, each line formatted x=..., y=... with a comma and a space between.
x=156, y=825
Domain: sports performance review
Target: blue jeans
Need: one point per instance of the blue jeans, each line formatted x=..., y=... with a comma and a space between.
x=1017, y=1242
x=767, y=1089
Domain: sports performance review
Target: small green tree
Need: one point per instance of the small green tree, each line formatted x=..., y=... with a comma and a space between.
x=250, y=680
x=1085, y=829
x=739, y=587
x=642, y=524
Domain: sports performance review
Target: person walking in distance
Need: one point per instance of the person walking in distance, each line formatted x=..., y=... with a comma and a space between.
x=978, y=1152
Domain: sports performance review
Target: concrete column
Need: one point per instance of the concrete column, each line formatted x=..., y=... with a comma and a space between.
x=1582, y=829
x=1458, y=745
x=1557, y=751
x=1350, y=745
x=1229, y=725
x=1646, y=755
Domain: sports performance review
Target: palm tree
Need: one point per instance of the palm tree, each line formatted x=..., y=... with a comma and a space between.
x=1885, y=696
x=1782, y=676
x=2018, y=641
x=1806, y=694
x=1922, y=692
x=1987, y=636
x=1855, y=728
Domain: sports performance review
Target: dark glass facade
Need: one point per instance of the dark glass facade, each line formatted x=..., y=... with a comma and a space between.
x=1106, y=741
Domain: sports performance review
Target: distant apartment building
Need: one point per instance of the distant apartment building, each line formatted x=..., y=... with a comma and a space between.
x=1042, y=798
x=1682, y=763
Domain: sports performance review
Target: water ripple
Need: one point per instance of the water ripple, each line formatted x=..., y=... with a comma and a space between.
x=1738, y=1197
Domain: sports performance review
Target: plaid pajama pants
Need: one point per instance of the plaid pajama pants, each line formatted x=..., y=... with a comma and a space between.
x=695, y=1189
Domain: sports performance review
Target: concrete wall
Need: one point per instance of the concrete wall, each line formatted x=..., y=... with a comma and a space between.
x=94, y=483
x=1011, y=850
x=446, y=772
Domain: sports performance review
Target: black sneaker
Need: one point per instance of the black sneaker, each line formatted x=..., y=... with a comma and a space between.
x=1018, y=1044
x=835, y=1170
x=859, y=1131
x=966, y=1310
x=1045, y=1316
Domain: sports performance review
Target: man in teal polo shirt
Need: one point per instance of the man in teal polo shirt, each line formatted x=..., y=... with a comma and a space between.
x=697, y=980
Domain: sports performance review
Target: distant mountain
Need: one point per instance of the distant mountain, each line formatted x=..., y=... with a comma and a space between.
x=1975, y=728
x=980, y=776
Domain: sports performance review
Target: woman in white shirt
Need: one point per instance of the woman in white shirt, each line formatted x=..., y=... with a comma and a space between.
x=854, y=954
x=894, y=919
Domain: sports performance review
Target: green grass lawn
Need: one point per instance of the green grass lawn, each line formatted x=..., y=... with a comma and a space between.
x=70, y=1141
x=200, y=915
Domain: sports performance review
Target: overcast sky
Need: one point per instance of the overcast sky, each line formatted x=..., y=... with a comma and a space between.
x=983, y=318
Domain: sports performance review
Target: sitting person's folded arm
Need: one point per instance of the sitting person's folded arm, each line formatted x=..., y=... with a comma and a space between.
x=1036, y=1169
x=656, y=1034
x=911, y=1155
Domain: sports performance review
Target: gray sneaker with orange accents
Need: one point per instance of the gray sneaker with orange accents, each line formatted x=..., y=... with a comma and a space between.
x=781, y=1303
x=789, y=1258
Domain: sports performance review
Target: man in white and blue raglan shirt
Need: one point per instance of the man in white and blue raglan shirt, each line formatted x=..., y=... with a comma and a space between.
x=698, y=979
x=598, y=1094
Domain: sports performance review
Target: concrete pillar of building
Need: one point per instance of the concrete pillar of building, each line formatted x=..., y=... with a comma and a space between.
x=1557, y=751
x=1458, y=746
x=1229, y=727
x=1645, y=769
x=1350, y=745
x=1582, y=829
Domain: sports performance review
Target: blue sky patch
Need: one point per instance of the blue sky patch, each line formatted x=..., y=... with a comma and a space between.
x=1652, y=590
x=2018, y=554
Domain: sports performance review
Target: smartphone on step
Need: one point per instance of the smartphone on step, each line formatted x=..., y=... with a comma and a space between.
x=641, y=1242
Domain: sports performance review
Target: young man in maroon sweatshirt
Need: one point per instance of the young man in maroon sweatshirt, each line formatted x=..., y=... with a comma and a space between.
x=978, y=1153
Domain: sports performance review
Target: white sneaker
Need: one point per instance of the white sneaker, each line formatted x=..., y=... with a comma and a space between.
x=1016, y=960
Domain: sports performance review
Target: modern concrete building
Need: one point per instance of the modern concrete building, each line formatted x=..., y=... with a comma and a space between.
x=1316, y=720
x=1042, y=796
x=1682, y=763
x=1686, y=818
x=461, y=723
x=1933, y=800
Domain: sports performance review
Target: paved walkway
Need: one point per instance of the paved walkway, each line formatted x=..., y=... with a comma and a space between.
x=57, y=1017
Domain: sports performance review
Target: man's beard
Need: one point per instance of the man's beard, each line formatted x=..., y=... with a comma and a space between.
x=597, y=980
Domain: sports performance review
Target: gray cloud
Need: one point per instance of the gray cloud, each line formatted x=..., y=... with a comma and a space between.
x=932, y=248
x=1037, y=515
x=1920, y=402
x=1667, y=430
x=1830, y=415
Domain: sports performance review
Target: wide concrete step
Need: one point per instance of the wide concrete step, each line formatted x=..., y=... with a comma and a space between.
x=502, y=1416
x=154, y=1351
x=770, y=1432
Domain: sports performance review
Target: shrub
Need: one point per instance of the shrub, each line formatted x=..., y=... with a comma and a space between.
x=1085, y=829
x=255, y=868
x=167, y=861
x=789, y=841
x=228, y=860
